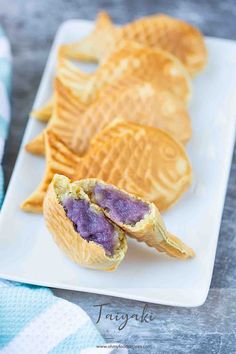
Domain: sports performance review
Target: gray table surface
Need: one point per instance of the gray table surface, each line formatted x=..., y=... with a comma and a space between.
x=211, y=328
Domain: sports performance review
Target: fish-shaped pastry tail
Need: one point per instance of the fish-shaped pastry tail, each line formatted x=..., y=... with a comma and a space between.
x=44, y=113
x=72, y=77
x=59, y=159
x=175, y=247
x=89, y=47
x=36, y=145
x=67, y=109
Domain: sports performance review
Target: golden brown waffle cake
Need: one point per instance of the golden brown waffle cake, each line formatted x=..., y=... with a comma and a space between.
x=77, y=123
x=141, y=160
x=138, y=218
x=158, y=31
x=84, y=251
x=131, y=60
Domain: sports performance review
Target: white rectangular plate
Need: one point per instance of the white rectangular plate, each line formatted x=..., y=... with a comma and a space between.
x=28, y=253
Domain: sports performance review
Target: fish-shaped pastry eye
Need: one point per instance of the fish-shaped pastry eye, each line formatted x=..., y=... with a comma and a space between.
x=87, y=217
x=81, y=229
x=157, y=31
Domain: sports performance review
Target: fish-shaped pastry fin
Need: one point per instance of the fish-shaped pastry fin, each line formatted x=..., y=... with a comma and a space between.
x=158, y=31
x=141, y=160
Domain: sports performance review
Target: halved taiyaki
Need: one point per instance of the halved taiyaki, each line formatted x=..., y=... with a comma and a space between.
x=86, y=218
x=140, y=102
x=80, y=228
x=159, y=31
x=142, y=160
x=138, y=218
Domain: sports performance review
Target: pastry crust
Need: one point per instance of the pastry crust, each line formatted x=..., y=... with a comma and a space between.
x=158, y=31
x=87, y=254
x=150, y=229
x=130, y=59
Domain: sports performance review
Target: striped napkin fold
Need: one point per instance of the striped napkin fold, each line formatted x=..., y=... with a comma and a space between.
x=32, y=319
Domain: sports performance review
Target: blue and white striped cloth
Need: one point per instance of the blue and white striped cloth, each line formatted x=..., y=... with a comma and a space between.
x=32, y=319
x=5, y=83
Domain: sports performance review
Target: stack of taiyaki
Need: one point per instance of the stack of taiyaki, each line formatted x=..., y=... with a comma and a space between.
x=125, y=123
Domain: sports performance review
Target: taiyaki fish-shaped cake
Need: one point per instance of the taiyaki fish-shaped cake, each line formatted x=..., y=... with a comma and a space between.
x=142, y=160
x=140, y=102
x=140, y=219
x=158, y=31
x=131, y=60
x=81, y=229
x=89, y=220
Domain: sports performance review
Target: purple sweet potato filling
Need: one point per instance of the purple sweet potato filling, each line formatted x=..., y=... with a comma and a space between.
x=121, y=207
x=91, y=226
